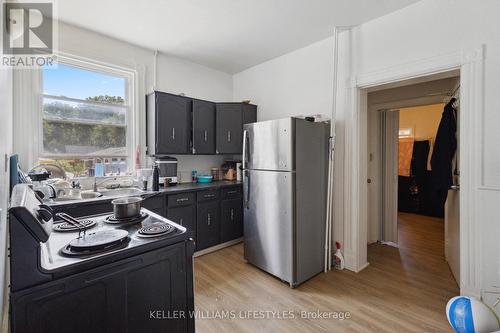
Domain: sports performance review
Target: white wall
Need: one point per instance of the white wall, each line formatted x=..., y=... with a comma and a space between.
x=5, y=151
x=174, y=75
x=432, y=28
x=298, y=83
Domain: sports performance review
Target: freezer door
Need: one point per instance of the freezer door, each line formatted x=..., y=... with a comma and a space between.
x=268, y=221
x=269, y=145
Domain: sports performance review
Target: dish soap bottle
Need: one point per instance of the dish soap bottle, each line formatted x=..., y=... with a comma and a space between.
x=155, y=186
x=338, y=257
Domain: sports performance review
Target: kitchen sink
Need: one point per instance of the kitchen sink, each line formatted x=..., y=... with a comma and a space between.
x=121, y=192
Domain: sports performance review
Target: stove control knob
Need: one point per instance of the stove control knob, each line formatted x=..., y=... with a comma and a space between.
x=44, y=214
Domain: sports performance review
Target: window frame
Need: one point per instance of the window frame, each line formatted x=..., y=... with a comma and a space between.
x=129, y=105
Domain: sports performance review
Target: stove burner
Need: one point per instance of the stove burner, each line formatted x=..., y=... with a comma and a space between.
x=97, y=242
x=155, y=230
x=66, y=227
x=111, y=219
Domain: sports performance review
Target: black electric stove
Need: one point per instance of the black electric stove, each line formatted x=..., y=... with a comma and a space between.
x=72, y=274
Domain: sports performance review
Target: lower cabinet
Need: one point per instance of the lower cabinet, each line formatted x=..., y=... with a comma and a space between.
x=207, y=224
x=185, y=216
x=231, y=219
x=130, y=295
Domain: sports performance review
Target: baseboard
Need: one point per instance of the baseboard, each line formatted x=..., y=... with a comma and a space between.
x=389, y=244
x=471, y=292
x=362, y=267
x=218, y=247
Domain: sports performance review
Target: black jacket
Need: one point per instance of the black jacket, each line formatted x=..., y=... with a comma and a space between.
x=444, y=150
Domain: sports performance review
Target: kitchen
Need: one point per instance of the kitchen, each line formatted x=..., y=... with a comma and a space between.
x=189, y=166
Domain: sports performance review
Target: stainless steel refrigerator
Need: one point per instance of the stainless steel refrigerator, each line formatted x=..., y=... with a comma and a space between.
x=285, y=167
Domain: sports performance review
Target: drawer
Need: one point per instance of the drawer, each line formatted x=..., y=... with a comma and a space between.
x=232, y=192
x=183, y=199
x=207, y=195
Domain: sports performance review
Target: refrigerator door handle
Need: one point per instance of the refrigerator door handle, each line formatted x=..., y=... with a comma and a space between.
x=247, y=194
x=244, y=162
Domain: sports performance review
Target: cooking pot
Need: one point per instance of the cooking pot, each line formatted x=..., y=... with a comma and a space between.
x=126, y=207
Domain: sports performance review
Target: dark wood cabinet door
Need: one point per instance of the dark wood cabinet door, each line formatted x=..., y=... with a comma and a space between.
x=111, y=298
x=155, y=204
x=231, y=219
x=203, y=127
x=184, y=216
x=173, y=129
x=249, y=113
x=229, y=128
x=207, y=225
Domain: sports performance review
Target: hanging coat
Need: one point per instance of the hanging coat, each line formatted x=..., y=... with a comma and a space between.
x=444, y=151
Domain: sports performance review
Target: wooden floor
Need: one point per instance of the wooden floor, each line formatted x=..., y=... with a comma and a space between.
x=404, y=289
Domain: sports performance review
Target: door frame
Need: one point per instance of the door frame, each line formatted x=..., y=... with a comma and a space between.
x=470, y=63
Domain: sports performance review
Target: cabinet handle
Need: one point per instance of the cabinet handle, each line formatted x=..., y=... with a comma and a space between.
x=232, y=214
x=180, y=222
x=173, y=133
x=206, y=136
x=209, y=219
x=209, y=196
x=182, y=199
x=232, y=192
x=228, y=136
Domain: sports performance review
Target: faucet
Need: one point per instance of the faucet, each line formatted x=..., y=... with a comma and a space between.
x=111, y=186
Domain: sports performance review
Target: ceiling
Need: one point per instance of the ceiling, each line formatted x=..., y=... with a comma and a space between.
x=228, y=35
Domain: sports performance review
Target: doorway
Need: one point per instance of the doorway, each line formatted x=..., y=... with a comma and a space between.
x=407, y=199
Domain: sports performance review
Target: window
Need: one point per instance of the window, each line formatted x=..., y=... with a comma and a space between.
x=85, y=119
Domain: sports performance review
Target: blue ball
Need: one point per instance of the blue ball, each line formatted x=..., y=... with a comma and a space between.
x=469, y=315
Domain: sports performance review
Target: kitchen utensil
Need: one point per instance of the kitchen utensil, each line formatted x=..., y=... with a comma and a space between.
x=55, y=170
x=205, y=179
x=129, y=206
x=215, y=173
x=126, y=207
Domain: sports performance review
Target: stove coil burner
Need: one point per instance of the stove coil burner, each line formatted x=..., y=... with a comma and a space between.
x=111, y=219
x=155, y=230
x=67, y=227
x=98, y=242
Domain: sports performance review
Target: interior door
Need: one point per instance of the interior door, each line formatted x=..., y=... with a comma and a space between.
x=389, y=121
x=452, y=231
x=452, y=215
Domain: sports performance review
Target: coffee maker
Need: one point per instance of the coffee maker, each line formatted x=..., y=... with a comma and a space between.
x=167, y=168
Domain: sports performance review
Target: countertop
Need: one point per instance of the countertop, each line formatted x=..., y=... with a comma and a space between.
x=179, y=188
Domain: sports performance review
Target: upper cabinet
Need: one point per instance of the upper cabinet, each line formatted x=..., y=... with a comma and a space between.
x=168, y=124
x=229, y=121
x=183, y=125
x=203, y=127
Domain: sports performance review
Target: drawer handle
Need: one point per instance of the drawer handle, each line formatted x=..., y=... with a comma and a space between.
x=209, y=219
x=209, y=196
x=182, y=199
x=232, y=192
x=232, y=214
